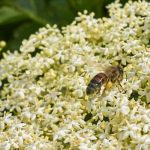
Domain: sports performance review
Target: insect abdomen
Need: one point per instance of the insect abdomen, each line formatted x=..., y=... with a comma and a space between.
x=96, y=83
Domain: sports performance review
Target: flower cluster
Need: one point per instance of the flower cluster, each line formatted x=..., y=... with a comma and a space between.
x=43, y=104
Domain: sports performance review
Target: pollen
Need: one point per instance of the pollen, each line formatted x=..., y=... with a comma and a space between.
x=109, y=85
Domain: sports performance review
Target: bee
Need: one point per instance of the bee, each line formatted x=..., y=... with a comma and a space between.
x=111, y=74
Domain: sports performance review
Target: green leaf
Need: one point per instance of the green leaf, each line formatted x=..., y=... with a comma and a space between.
x=10, y=15
x=16, y=15
x=22, y=32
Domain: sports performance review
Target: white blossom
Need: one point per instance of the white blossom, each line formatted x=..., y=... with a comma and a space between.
x=43, y=100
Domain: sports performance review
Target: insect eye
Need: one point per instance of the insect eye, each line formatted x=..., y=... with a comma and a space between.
x=120, y=70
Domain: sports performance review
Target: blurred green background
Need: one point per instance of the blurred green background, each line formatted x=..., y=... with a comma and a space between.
x=20, y=18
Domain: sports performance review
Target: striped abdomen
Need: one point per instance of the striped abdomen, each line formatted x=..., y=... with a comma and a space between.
x=96, y=83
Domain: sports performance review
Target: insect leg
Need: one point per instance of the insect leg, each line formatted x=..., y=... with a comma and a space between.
x=121, y=86
x=105, y=87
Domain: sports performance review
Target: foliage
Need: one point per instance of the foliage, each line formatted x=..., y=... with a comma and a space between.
x=20, y=18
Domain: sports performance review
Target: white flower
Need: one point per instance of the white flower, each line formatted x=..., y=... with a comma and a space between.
x=146, y=128
x=43, y=94
x=146, y=119
x=125, y=110
x=20, y=93
x=62, y=133
x=84, y=146
x=106, y=142
x=5, y=145
x=27, y=115
x=78, y=93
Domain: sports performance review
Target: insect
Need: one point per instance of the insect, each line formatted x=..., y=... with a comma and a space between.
x=111, y=74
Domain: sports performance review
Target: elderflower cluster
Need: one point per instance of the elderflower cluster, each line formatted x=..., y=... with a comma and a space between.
x=43, y=103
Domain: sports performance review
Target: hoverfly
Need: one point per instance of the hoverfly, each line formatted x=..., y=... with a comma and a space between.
x=111, y=74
